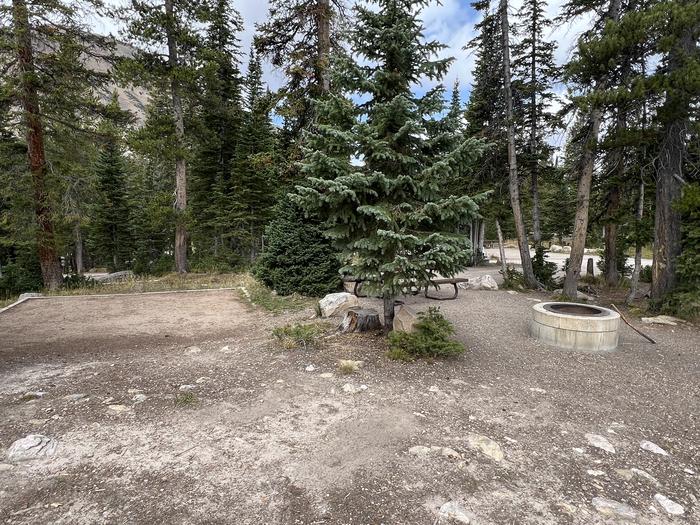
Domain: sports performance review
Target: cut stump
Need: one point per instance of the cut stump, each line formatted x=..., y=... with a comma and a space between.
x=360, y=320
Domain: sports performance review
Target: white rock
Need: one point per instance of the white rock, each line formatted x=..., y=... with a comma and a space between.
x=335, y=304
x=192, y=350
x=421, y=450
x=598, y=441
x=202, y=379
x=661, y=319
x=555, y=248
x=652, y=447
x=670, y=506
x=187, y=388
x=486, y=446
x=225, y=350
x=483, y=282
x=310, y=368
x=609, y=507
x=349, y=388
x=134, y=391
x=579, y=450
x=5, y=467
x=595, y=473
x=118, y=408
x=538, y=390
x=643, y=474
x=139, y=398
x=689, y=471
x=32, y=446
x=76, y=397
x=452, y=512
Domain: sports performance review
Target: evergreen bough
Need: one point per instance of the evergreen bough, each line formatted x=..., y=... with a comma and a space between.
x=431, y=338
x=373, y=173
x=297, y=257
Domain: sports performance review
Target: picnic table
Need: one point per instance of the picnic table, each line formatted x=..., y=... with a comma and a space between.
x=434, y=283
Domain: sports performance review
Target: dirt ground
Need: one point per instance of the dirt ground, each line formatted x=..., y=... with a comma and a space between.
x=266, y=438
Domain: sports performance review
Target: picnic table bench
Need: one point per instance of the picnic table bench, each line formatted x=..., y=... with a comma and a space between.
x=454, y=281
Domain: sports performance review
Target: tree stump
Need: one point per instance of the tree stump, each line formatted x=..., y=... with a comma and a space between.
x=589, y=266
x=360, y=320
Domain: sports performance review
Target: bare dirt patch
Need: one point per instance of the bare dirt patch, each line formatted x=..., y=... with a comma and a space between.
x=259, y=439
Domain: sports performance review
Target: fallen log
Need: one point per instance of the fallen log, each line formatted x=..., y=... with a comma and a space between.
x=645, y=336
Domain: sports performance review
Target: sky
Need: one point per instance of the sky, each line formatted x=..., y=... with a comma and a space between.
x=450, y=22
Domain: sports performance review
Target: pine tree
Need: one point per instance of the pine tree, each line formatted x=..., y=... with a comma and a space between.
x=387, y=215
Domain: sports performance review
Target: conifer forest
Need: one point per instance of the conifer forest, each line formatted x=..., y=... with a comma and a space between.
x=342, y=139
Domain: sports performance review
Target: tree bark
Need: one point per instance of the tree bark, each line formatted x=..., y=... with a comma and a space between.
x=583, y=194
x=324, y=44
x=51, y=271
x=501, y=249
x=612, y=275
x=638, y=249
x=669, y=176
x=513, y=182
x=534, y=175
x=180, y=163
x=77, y=232
x=389, y=306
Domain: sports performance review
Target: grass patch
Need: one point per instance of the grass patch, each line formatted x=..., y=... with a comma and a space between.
x=431, y=338
x=258, y=294
x=347, y=367
x=184, y=399
x=8, y=301
x=299, y=335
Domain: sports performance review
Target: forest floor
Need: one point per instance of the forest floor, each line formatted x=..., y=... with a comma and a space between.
x=182, y=408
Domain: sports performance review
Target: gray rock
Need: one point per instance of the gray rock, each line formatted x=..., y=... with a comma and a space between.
x=116, y=277
x=336, y=304
x=486, y=446
x=652, y=447
x=139, y=398
x=76, y=397
x=32, y=446
x=661, y=319
x=29, y=295
x=349, y=388
x=187, y=388
x=310, y=368
x=615, y=509
x=118, y=408
x=598, y=441
x=422, y=451
x=405, y=319
x=452, y=512
x=192, y=350
x=483, y=282
x=670, y=506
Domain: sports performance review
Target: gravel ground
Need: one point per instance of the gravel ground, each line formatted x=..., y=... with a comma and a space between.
x=181, y=408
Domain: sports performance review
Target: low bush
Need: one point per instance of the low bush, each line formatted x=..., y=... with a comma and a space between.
x=543, y=269
x=431, y=338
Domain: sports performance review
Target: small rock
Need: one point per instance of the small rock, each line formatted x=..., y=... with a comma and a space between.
x=134, y=391
x=538, y=390
x=30, y=396
x=118, y=408
x=76, y=397
x=310, y=368
x=202, y=379
x=335, y=304
x=595, y=473
x=486, y=446
x=652, y=447
x=38, y=422
x=5, y=467
x=670, y=506
x=32, y=446
x=225, y=350
x=108, y=401
x=453, y=512
x=326, y=375
x=419, y=450
x=598, y=441
x=579, y=450
x=661, y=319
x=449, y=453
x=643, y=474
x=139, y=398
x=689, y=471
x=187, y=388
x=349, y=388
x=192, y=350
x=609, y=507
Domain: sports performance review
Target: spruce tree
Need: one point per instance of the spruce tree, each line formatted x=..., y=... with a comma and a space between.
x=386, y=212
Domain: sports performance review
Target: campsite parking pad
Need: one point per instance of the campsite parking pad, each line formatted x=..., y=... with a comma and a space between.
x=180, y=408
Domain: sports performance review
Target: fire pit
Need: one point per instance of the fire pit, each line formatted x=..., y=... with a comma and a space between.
x=575, y=326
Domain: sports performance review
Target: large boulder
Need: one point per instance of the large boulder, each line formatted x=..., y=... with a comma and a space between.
x=555, y=248
x=32, y=446
x=336, y=304
x=483, y=282
x=405, y=319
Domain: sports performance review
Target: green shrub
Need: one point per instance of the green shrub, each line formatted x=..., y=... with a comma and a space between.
x=22, y=275
x=298, y=335
x=645, y=274
x=431, y=338
x=544, y=270
x=73, y=281
x=297, y=258
x=513, y=279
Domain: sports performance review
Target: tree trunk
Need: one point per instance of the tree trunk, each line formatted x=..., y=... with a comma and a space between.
x=77, y=232
x=583, y=194
x=51, y=271
x=638, y=248
x=389, y=306
x=536, y=230
x=501, y=249
x=180, y=164
x=669, y=176
x=513, y=183
x=324, y=44
x=612, y=275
